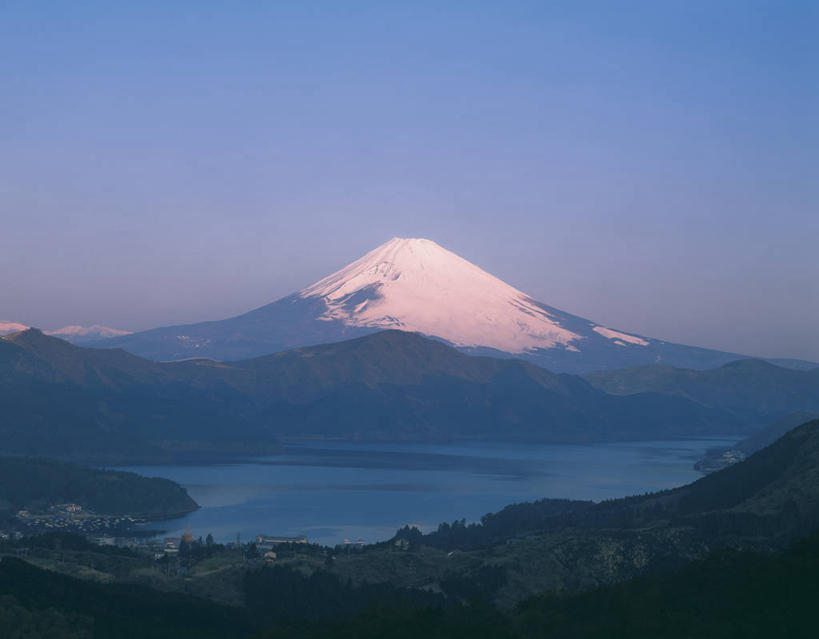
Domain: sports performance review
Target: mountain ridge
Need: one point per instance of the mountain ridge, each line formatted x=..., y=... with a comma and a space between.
x=757, y=391
x=415, y=285
x=73, y=333
x=391, y=385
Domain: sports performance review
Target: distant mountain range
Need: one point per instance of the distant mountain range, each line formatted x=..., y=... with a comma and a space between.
x=61, y=399
x=58, y=398
x=85, y=334
x=757, y=392
x=74, y=334
x=415, y=285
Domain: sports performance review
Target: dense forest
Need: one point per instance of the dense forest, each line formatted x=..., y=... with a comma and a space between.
x=728, y=593
x=82, y=608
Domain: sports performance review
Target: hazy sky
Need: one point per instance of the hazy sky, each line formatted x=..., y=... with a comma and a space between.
x=647, y=165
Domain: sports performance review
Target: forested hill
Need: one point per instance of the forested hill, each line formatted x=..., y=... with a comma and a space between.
x=59, y=399
x=726, y=594
x=35, y=484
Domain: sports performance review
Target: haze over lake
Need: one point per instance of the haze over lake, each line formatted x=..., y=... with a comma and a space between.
x=332, y=491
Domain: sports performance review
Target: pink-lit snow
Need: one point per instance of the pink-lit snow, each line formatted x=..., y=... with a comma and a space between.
x=417, y=285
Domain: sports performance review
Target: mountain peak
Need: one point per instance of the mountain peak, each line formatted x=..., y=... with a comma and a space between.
x=411, y=240
x=34, y=339
x=418, y=286
x=414, y=284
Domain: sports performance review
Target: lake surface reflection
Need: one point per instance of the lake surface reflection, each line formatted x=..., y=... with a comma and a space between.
x=331, y=491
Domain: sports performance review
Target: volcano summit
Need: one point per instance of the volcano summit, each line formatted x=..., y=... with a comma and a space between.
x=418, y=286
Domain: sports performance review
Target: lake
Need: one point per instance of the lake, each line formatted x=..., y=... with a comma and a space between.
x=332, y=491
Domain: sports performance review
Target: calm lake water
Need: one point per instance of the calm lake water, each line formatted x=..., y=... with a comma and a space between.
x=332, y=491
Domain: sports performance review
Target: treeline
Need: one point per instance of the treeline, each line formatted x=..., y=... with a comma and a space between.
x=493, y=528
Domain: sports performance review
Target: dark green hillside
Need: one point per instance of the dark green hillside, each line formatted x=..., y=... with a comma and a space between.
x=755, y=391
x=60, y=606
x=728, y=594
x=36, y=484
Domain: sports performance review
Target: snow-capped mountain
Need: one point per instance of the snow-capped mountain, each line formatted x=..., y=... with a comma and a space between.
x=416, y=285
x=11, y=327
x=83, y=334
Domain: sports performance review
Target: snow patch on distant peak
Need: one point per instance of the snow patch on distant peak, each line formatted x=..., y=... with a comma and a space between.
x=616, y=335
x=87, y=331
x=11, y=327
x=414, y=284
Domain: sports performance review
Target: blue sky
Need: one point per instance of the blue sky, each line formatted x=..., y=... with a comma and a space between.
x=648, y=165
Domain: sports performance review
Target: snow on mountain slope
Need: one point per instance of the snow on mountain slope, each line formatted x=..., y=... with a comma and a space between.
x=86, y=332
x=11, y=327
x=416, y=285
x=617, y=336
x=77, y=334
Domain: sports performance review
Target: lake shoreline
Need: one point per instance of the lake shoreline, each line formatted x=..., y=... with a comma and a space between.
x=336, y=490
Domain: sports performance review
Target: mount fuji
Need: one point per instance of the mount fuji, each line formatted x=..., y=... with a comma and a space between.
x=418, y=286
